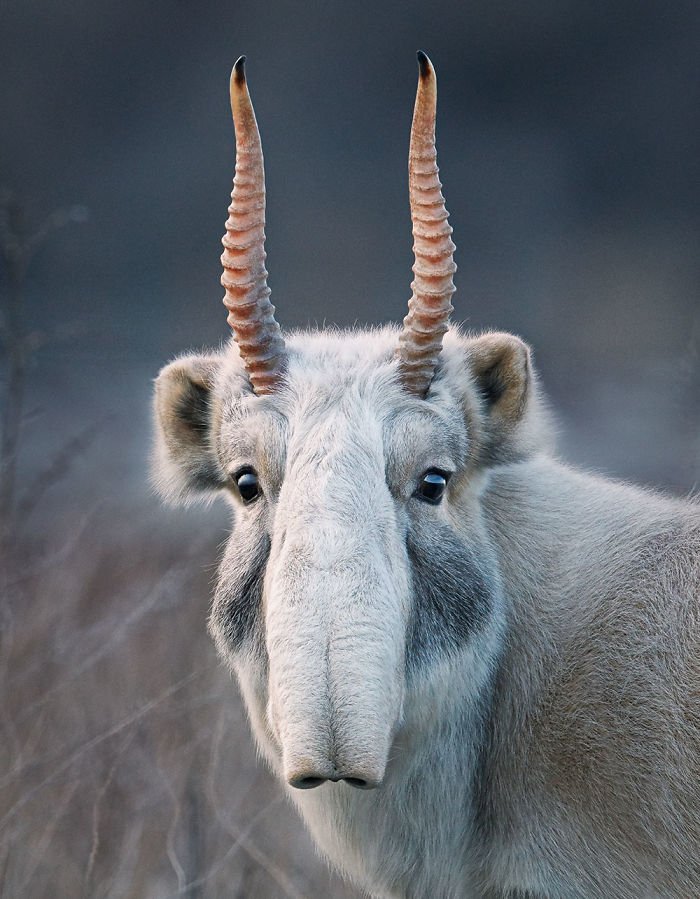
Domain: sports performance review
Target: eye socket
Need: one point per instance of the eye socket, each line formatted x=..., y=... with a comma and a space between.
x=432, y=486
x=248, y=485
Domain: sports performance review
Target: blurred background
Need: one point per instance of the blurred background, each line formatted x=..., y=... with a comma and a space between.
x=569, y=146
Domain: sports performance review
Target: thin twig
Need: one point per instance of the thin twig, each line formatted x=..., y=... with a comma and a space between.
x=116, y=636
x=39, y=850
x=240, y=836
x=58, y=468
x=18, y=247
x=96, y=741
x=128, y=857
x=54, y=560
x=96, y=812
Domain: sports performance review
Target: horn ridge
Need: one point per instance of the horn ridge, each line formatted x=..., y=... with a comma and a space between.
x=429, y=308
x=251, y=315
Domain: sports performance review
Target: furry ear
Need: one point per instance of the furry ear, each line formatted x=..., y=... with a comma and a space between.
x=184, y=460
x=502, y=373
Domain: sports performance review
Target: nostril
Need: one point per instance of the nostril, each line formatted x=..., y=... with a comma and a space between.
x=359, y=783
x=307, y=777
x=306, y=783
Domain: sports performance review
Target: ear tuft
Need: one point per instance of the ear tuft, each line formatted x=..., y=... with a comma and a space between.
x=184, y=460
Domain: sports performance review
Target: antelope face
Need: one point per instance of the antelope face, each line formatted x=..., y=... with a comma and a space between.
x=358, y=561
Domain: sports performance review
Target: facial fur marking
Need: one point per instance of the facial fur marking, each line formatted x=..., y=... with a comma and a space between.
x=453, y=595
x=237, y=608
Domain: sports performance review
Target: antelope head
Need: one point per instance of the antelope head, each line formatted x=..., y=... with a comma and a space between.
x=358, y=565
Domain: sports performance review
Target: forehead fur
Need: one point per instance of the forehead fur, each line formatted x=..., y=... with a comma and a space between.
x=324, y=366
x=346, y=383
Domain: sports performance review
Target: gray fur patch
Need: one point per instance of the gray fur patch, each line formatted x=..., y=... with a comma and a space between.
x=453, y=596
x=237, y=609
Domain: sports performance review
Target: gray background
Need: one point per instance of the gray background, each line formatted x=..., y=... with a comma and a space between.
x=569, y=149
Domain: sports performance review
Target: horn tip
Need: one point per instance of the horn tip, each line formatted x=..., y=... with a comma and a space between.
x=238, y=73
x=425, y=67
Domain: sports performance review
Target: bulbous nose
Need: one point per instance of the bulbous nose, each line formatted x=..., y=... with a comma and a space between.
x=307, y=780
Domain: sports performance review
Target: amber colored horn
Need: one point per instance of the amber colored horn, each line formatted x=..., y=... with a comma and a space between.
x=251, y=314
x=429, y=308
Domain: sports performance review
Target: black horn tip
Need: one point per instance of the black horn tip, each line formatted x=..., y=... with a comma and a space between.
x=424, y=64
x=239, y=70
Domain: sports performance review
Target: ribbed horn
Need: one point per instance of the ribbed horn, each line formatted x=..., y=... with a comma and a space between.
x=251, y=314
x=429, y=308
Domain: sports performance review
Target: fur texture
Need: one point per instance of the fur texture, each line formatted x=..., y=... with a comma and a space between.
x=517, y=667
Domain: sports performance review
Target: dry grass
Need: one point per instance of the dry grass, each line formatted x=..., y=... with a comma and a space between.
x=126, y=764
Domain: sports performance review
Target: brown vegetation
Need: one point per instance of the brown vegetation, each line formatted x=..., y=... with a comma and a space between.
x=126, y=764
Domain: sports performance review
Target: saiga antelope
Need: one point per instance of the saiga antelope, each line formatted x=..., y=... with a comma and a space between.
x=476, y=670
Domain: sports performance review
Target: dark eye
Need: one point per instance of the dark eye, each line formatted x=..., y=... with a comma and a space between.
x=248, y=485
x=432, y=486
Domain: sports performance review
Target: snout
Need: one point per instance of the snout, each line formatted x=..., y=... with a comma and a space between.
x=327, y=728
x=328, y=725
x=335, y=617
